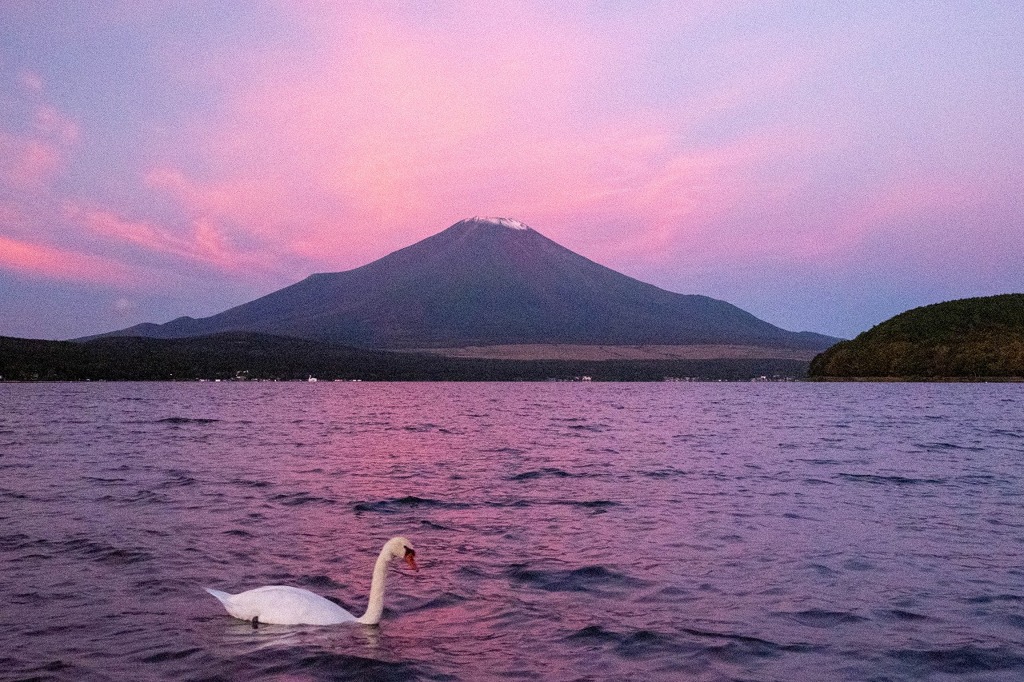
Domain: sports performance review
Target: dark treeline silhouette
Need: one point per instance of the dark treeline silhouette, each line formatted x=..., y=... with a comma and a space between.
x=258, y=356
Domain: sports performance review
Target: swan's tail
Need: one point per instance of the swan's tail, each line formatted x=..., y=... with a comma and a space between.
x=222, y=596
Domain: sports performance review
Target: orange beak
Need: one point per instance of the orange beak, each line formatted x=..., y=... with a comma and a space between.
x=410, y=558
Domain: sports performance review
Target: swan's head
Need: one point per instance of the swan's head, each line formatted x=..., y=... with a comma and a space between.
x=401, y=548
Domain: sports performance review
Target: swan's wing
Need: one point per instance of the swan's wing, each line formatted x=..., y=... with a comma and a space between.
x=284, y=605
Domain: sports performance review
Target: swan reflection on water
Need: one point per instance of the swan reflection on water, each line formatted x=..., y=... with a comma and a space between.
x=241, y=638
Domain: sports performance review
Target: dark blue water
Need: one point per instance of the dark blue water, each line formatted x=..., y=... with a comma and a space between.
x=564, y=531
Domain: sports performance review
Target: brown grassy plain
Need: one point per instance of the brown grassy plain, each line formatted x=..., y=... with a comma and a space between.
x=638, y=352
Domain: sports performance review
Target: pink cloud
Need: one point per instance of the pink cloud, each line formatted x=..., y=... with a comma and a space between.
x=911, y=213
x=41, y=260
x=27, y=163
x=32, y=157
x=46, y=234
x=202, y=243
x=388, y=132
x=32, y=82
x=382, y=127
x=49, y=121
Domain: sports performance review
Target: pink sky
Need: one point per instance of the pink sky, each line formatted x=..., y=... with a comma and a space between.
x=822, y=167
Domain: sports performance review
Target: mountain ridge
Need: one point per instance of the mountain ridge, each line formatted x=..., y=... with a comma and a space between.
x=485, y=281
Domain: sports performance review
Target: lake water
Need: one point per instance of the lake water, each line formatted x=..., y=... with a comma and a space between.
x=564, y=531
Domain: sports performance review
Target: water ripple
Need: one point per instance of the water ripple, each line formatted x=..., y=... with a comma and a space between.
x=585, y=579
x=409, y=502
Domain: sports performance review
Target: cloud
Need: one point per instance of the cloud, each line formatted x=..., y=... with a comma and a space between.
x=384, y=124
x=34, y=150
x=42, y=260
x=389, y=125
x=50, y=122
x=46, y=234
x=26, y=162
x=202, y=243
x=31, y=154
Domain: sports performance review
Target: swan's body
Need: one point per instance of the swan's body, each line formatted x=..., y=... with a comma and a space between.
x=283, y=605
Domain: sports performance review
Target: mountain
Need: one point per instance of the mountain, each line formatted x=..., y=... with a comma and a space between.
x=486, y=281
x=967, y=338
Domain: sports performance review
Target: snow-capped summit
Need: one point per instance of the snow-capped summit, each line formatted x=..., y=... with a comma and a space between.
x=503, y=222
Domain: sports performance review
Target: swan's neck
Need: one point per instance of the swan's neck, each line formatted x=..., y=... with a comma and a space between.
x=375, y=608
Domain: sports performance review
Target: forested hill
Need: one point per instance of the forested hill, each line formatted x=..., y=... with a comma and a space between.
x=963, y=339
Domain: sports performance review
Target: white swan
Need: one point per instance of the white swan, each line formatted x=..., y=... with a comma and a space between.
x=283, y=605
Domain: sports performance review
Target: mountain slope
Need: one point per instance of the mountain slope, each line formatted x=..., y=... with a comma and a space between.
x=486, y=281
x=966, y=338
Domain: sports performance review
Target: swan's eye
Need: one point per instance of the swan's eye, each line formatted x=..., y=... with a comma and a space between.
x=409, y=552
